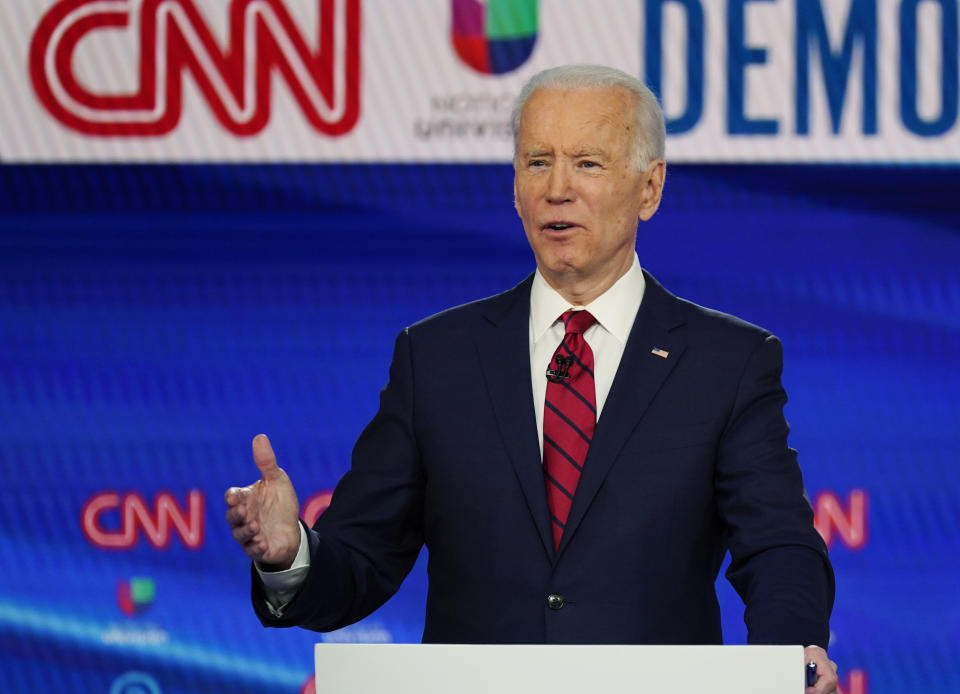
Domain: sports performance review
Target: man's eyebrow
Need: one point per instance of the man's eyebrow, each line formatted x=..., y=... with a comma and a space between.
x=584, y=153
x=580, y=153
x=539, y=152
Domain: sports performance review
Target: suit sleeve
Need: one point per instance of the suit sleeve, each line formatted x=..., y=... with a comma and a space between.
x=779, y=562
x=366, y=542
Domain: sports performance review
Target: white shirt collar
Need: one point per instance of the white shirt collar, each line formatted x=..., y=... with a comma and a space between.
x=615, y=309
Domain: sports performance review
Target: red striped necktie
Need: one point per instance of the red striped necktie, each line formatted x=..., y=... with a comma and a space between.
x=569, y=418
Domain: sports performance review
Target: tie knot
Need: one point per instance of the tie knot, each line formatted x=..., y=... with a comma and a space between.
x=577, y=321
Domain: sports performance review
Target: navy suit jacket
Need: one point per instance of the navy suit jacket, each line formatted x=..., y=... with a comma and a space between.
x=689, y=460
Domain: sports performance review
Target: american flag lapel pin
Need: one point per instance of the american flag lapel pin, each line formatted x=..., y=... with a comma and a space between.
x=662, y=353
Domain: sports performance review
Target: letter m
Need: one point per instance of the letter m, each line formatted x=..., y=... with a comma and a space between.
x=812, y=33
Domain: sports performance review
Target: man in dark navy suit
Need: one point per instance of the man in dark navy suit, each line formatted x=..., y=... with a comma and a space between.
x=618, y=443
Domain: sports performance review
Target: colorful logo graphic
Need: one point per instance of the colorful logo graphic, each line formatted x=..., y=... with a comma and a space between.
x=173, y=37
x=136, y=595
x=494, y=36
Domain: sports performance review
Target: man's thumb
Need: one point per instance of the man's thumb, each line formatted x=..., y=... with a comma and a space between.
x=264, y=458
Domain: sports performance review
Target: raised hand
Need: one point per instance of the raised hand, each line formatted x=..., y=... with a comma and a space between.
x=264, y=516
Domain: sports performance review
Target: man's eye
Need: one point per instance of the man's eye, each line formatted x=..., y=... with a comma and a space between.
x=538, y=162
x=588, y=164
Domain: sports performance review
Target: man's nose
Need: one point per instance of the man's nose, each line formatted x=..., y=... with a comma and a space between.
x=559, y=184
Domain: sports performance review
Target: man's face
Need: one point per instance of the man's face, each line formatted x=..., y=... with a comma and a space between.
x=577, y=186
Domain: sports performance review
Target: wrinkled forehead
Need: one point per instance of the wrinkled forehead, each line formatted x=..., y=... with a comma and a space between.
x=581, y=116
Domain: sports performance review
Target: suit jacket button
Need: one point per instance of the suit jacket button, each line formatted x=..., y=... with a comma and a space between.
x=555, y=602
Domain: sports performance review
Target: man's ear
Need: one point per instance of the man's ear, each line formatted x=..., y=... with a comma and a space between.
x=655, y=177
x=516, y=201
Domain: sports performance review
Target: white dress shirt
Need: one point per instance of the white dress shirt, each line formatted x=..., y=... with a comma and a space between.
x=615, y=311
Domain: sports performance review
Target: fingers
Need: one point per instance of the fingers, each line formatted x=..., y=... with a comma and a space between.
x=254, y=543
x=237, y=516
x=263, y=516
x=246, y=533
x=256, y=549
x=234, y=495
x=238, y=506
x=264, y=457
x=827, y=680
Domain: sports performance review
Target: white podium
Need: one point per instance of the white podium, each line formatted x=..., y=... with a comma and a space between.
x=463, y=669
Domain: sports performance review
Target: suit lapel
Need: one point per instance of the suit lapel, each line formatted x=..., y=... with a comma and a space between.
x=504, y=352
x=639, y=377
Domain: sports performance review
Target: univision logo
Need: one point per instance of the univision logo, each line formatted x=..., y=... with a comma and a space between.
x=494, y=36
x=136, y=595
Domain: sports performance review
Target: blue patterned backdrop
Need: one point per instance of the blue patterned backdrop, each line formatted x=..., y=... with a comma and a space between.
x=154, y=318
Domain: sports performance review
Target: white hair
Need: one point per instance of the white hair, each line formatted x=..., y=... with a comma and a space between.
x=650, y=130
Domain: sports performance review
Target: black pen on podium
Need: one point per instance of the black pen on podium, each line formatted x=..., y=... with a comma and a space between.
x=811, y=671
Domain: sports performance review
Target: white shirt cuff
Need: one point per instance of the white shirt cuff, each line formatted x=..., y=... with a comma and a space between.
x=281, y=586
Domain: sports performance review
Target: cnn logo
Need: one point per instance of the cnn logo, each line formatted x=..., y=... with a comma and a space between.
x=135, y=517
x=173, y=38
